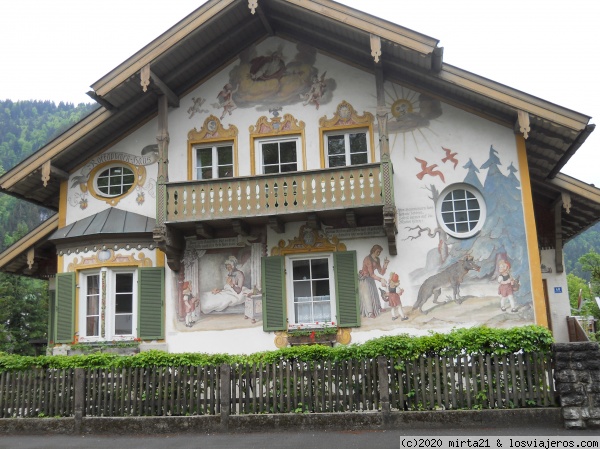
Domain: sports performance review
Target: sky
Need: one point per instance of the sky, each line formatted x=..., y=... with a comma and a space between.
x=55, y=49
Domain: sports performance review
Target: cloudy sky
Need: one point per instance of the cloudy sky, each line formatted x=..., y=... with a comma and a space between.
x=55, y=49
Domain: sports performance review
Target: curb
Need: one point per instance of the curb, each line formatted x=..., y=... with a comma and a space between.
x=156, y=425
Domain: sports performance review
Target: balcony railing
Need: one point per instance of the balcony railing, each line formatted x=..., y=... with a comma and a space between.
x=275, y=194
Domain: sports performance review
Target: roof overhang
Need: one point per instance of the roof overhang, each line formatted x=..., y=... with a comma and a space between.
x=195, y=48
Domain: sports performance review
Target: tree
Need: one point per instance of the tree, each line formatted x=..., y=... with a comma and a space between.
x=590, y=263
x=23, y=313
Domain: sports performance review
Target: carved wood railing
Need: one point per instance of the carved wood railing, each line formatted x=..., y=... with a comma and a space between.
x=275, y=194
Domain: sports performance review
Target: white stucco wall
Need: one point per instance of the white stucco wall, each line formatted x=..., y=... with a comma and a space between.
x=558, y=295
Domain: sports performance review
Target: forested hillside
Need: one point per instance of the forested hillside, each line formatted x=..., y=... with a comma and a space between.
x=577, y=247
x=26, y=126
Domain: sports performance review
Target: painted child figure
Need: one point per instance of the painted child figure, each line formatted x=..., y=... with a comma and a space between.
x=506, y=287
x=189, y=304
x=393, y=297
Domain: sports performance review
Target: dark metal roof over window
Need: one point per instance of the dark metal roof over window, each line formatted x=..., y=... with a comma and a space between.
x=110, y=221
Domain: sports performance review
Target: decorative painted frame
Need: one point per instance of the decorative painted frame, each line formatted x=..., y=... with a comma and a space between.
x=345, y=118
x=308, y=241
x=275, y=127
x=139, y=172
x=212, y=131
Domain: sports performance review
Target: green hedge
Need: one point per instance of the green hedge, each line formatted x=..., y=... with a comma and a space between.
x=476, y=340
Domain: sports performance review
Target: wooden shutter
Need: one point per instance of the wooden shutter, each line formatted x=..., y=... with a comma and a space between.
x=51, y=316
x=346, y=277
x=273, y=288
x=64, y=322
x=151, y=303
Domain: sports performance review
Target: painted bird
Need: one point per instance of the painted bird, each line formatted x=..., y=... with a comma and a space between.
x=450, y=157
x=428, y=170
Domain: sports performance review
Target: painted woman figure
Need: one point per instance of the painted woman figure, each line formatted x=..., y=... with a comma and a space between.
x=506, y=287
x=235, y=278
x=367, y=289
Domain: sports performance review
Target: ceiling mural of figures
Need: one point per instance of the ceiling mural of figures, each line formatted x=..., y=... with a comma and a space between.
x=278, y=74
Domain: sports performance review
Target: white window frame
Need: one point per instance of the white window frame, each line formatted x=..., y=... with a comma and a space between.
x=123, y=191
x=280, y=139
x=346, y=133
x=442, y=216
x=84, y=304
x=215, y=161
x=110, y=305
x=292, y=319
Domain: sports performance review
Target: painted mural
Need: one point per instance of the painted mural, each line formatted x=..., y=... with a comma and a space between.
x=276, y=74
x=219, y=285
x=136, y=165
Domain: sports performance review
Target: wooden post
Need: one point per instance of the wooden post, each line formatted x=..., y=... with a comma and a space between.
x=225, y=398
x=384, y=390
x=78, y=398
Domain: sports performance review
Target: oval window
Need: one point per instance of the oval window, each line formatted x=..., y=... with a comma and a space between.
x=461, y=210
x=115, y=181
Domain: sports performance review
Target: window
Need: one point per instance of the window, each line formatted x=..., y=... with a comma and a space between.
x=115, y=181
x=312, y=293
x=278, y=156
x=461, y=210
x=108, y=304
x=348, y=148
x=310, y=290
x=214, y=162
x=92, y=304
x=123, y=304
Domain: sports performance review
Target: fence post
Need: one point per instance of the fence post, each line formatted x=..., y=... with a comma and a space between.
x=78, y=398
x=225, y=398
x=384, y=387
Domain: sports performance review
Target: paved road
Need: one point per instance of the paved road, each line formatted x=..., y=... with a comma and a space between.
x=372, y=439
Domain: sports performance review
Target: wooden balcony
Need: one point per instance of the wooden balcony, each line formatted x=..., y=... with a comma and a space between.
x=275, y=195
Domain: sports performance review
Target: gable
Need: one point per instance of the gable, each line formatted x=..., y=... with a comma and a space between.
x=194, y=49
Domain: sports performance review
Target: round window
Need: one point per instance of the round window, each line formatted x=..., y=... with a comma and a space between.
x=115, y=181
x=461, y=210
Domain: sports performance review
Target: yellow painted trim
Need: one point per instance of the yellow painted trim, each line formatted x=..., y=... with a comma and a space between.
x=292, y=127
x=139, y=172
x=368, y=127
x=60, y=264
x=62, y=204
x=537, y=287
x=160, y=258
x=116, y=260
x=212, y=132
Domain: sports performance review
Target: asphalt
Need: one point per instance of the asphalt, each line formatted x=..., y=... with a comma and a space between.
x=354, y=439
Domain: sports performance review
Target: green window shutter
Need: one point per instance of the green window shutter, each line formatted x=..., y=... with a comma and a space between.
x=273, y=288
x=51, y=316
x=348, y=307
x=151, y=303
x=64, y=319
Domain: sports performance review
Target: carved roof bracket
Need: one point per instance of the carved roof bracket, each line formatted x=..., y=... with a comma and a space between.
x=146, y=76
x=375, y=47
x=172, y=243
x=48, y=169
x=522, y=126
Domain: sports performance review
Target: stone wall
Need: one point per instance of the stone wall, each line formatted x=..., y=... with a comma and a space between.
x=577, y=376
